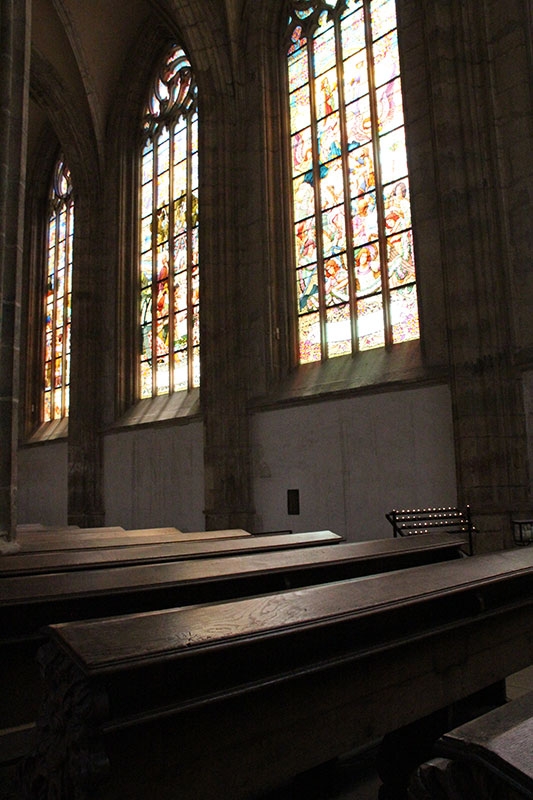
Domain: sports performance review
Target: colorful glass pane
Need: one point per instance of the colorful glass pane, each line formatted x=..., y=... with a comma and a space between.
x=333, y=231
x=404, y=314
x=329, y=138
x=298, y=40
x=163, y=153
x=336, y=280
x=393, y=156
x=300, y=108
x=305, y=241
x=370, y=325
x=364, y=219
x=298, y=72
x=397, y=206
x=308, y=299
x=304, y=196
x=386, y=58
x=169, y=232
x=400, y=258
x=367, y=269
x=180, y=178
x=309, y=338
x=326, y=93
x=180, y=291
x=355, y=77
x=362, y=175
x=343, y=161
x=181, y=371
x=302, y=152
x=383, y=16
x=353, y=33
x=339, y=331
x=358, y=123
x=389, y=106
x=332, y=184
x=324, y=52
x=57, y=298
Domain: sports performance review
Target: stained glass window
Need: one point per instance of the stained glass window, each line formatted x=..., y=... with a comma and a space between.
x=168, y=264
x=57, y=307
x=355, y=268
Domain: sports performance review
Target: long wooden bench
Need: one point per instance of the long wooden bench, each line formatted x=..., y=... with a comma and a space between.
x=93, y=538
x=27, y=603
x=491, y=756
x=227, y=700
x=33, y=563
x=416, y=521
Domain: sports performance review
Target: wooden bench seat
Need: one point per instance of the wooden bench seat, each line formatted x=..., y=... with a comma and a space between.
x=491, y=755
x=33, y=563
x=27, y=603
x=416, y=521
x=227, y=700
x=95, y=538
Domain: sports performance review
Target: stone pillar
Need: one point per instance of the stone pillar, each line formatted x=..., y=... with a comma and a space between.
x=488, y=408
x=15, y=20
x=228, y=494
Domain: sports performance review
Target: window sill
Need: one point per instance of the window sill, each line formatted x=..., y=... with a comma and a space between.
x=371, y=371
x=160, y=410
x=49, y=431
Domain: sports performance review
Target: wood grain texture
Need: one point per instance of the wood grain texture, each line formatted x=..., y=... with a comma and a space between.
x=100, y=554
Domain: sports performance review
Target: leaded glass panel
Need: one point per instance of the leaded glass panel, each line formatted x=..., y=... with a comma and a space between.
x=58, y=296
x=354, y=255
x=168, y=258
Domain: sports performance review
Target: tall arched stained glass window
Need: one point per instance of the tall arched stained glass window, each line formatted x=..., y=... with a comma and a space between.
x=355, y=269
x=169, y=280
x=58, y=295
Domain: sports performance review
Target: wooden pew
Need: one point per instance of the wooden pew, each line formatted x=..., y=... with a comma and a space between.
x=228, y=700
x=27, y=603
x=106, y=537
x=28, y=563
x=490, y=756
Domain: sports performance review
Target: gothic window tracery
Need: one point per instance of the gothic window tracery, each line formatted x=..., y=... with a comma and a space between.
x=168, y=262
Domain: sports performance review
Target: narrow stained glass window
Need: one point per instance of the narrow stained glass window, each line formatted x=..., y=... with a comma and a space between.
x=168, y=265
x=355, y=269
x=58, y=296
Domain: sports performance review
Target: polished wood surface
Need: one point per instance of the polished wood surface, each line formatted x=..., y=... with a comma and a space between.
x=31, y=601
x=229, y=699
x=499, y=741
x=100, y=555
x=200, y=580
x=91, y=538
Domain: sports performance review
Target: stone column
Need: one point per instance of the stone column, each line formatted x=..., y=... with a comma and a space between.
x=15, y=20
x=488, y=409
x=228, y=494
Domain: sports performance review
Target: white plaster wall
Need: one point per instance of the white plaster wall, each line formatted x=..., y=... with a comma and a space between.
x=154, y=477
x=353, y=460
x=42, y=484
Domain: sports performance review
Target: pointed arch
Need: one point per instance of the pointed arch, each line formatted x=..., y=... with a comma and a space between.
x=168, y=225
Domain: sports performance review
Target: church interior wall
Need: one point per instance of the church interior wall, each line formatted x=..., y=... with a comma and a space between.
x=439, y=421
x=154, y=477
x=353, y=460
x=43, y=484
